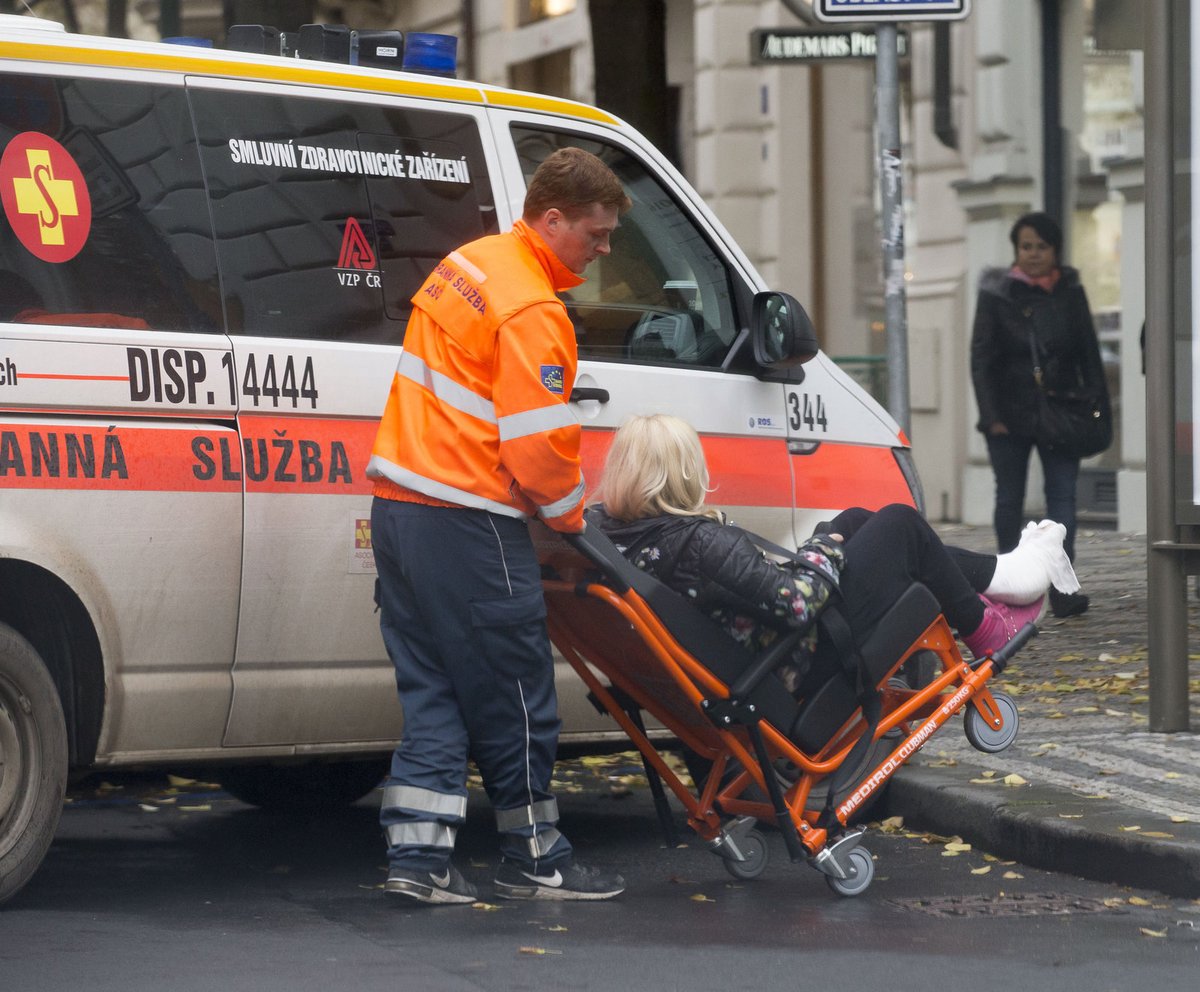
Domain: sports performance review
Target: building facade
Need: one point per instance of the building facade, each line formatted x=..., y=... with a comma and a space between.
x=1025, y=104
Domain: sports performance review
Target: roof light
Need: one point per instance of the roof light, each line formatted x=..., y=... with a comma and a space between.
x=261, y=39
x=380, y=49
x=325, y=43
x=435, y=54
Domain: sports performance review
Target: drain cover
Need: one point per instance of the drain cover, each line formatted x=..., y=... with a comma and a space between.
x=1015, y=904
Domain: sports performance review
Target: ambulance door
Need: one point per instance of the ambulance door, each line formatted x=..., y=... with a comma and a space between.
x=845, y=449
x=329, y=214
x=660, y=324
x=115, y=409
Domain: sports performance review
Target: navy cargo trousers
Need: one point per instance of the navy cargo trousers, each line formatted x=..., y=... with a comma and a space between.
x=463, y=620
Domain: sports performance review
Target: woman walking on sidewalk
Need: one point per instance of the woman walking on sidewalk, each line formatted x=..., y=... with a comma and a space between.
x=1033, y=331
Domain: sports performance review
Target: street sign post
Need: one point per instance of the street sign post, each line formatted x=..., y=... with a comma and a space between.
x=891, y=10
x=885, y=14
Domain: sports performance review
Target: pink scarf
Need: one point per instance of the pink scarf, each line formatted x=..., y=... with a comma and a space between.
x=1042, y=282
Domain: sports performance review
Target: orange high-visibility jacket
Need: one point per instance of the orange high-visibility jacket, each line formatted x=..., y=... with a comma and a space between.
x=478, y=414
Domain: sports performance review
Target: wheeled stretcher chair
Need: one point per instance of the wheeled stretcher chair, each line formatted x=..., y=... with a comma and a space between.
x=806, y=766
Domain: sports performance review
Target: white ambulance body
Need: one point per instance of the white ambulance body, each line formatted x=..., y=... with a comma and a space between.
x=206, y=259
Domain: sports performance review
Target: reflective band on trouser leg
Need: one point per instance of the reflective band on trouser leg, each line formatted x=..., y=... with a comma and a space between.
x=534, y=823
x=417, y=800
x=421, y=816
x=421, y=833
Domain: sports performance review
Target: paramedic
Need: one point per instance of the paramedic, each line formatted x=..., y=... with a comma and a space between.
x=654, y=485
x=476, y=438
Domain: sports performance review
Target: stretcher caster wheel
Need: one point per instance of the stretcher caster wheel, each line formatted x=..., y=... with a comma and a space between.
x=989, y=739
x=860, y=868
x=753, y=846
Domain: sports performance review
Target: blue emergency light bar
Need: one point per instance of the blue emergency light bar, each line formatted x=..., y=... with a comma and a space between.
x=433, y=54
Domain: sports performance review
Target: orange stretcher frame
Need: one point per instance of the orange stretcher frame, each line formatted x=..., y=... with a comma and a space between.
x=619, y=646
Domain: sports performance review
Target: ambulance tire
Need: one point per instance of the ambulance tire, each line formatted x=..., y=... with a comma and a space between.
x=314, y=785
x=33, y=761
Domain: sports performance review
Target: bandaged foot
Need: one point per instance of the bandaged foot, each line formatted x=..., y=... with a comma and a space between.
x=1026, y=573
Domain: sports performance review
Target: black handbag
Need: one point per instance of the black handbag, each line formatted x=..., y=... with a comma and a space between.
x=1073, y=422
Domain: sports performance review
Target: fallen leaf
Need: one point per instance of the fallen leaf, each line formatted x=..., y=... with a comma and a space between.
x=981, y=871
x=1129, y=829
x=985, y=781
x=1138, y=901
x=1157, y=833
x=1172, y=775
x=958, y=847
x=1179, y=819
x=178, y=782
x=700, y=897
x=536, y=950
x=200, y=808
x=1146, y=932
x=485, y=907
x=1070, y=816
x=1013, y=874
x=147, y=808
x=557, y=928
x=1014, y=779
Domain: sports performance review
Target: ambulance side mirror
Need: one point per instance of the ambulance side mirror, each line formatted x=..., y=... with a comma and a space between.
x=783, y=334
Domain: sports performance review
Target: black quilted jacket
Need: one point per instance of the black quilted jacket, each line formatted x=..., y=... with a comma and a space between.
x=724, y=573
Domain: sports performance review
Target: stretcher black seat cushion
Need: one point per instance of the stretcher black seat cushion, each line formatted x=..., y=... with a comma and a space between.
x=830, y=706
x=696, y=633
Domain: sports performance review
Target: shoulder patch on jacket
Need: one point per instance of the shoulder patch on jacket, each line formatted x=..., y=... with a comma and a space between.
x=552, y=378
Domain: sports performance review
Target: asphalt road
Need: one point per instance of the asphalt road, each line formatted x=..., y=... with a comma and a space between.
x=187, y=889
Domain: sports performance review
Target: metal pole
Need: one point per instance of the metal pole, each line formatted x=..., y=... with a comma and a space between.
x=1166, y=566
x=887, y=114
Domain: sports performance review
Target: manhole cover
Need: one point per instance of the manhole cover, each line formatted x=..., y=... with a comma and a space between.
x=1016, y=904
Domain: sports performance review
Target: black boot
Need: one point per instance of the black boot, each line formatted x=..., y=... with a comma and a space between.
x=1068, y=604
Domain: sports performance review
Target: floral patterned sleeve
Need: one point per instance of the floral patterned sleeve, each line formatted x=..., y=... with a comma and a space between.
x=800, y=599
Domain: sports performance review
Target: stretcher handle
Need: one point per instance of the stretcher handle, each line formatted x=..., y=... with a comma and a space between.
x=766, y=663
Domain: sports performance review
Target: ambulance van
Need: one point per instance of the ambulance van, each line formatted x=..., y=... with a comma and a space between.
x=206, y=261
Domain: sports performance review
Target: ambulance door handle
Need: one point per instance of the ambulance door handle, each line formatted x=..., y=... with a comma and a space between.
x=589, y=393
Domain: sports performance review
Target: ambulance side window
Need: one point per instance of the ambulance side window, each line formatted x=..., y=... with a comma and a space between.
x=330, y=214
x=663, y=295
x=107, y=220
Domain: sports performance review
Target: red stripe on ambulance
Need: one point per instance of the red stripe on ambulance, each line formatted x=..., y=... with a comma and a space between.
x=83, y=456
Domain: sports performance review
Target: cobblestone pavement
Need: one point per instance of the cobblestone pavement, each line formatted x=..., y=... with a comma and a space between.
x=1086, y=787
x=1083, y=694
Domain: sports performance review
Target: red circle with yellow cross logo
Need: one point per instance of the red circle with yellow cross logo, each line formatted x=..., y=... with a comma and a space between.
x=45, y=197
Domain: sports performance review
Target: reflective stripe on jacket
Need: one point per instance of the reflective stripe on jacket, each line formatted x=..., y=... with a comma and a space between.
x=477, y=415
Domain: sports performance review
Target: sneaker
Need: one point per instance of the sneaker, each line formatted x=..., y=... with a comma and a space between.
x=1000, y=625
x=569, y=880
x=1068, y=604
x=446, y=887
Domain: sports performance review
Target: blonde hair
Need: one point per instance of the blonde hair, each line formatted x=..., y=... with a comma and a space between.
x=655, y=466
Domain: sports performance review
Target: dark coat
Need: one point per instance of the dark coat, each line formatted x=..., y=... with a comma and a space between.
x=1008, y=313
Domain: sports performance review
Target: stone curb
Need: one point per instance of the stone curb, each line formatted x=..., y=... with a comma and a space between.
x=1049, y=828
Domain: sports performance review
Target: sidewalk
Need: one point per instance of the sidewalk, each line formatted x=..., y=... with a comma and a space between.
x=1095, y=793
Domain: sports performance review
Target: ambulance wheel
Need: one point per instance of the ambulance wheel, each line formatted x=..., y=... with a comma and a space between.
x=987, y=738
x=754, y=846
x=33, y=760
x=862, y=870
x=313, y=785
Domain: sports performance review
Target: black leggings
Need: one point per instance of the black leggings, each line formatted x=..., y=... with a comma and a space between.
x=889, y=550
